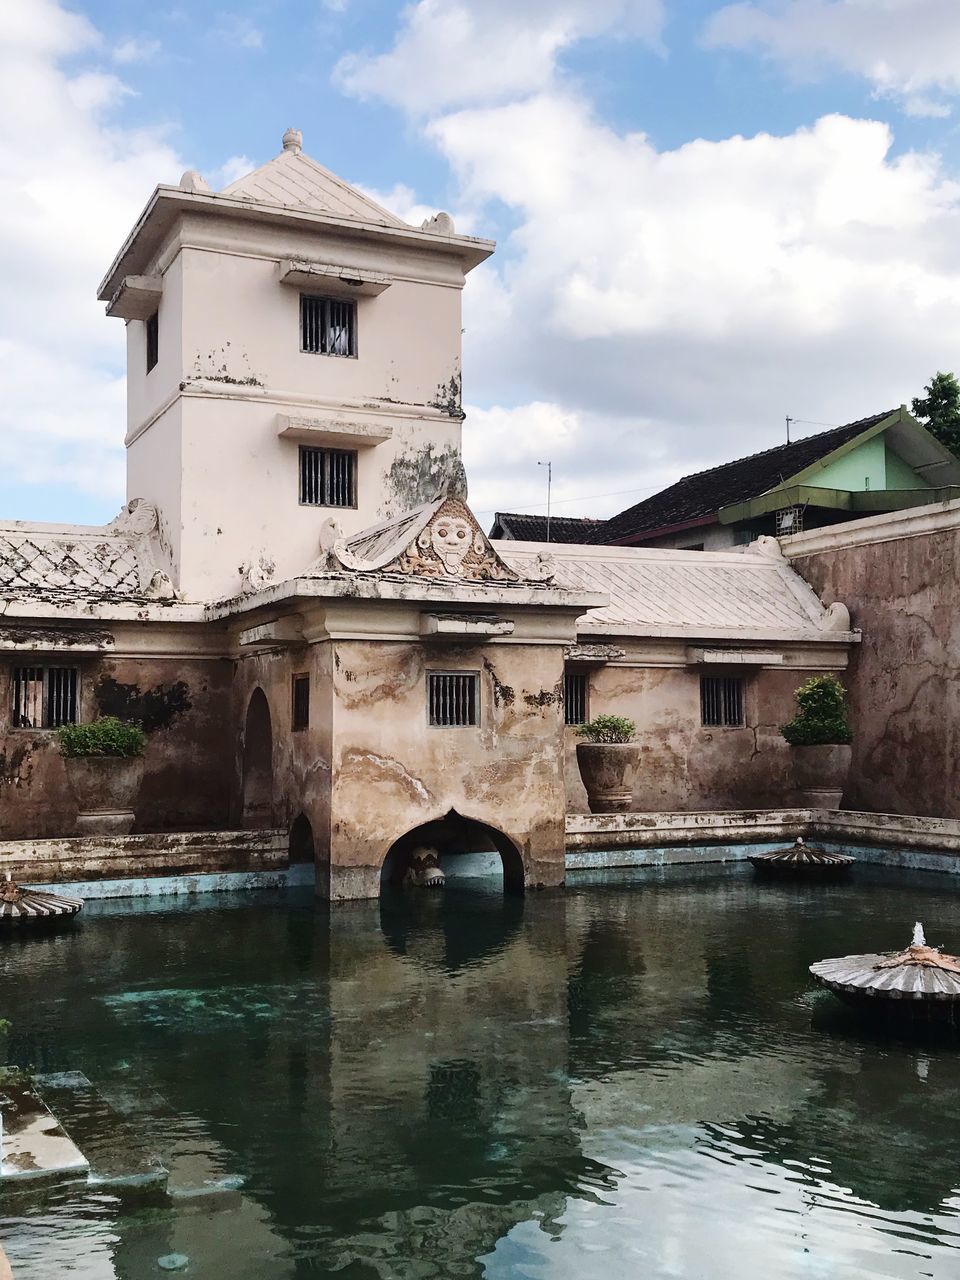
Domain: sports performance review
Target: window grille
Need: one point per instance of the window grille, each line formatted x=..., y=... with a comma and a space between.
x=721, y=701
x=153, y=340
x=453, y=698
x=44, y=697
x=328, y=327
x=301, y=702
x=575, y=683
x=328, y=477
x=789, y=520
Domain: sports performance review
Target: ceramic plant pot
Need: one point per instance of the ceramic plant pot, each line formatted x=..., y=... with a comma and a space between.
x=608, y=770
x=105, y=790
x=820, y=774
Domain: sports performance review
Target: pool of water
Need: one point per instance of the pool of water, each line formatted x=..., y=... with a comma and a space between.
x=631, y=1079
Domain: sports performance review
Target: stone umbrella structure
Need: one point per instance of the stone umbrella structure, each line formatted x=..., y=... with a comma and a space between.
x=32, y=906
x=920, y=982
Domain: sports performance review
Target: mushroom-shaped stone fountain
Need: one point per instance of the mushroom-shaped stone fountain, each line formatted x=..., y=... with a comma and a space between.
x=802, y=859
x=920, y=982
x=26, y=907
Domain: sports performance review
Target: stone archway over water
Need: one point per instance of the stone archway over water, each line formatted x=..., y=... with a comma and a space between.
x=257, y=786
x=453, y=835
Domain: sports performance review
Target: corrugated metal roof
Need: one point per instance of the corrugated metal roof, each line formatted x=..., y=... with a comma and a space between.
x=656, y=592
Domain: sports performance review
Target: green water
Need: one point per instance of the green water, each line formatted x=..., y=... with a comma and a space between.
x=632, y=1079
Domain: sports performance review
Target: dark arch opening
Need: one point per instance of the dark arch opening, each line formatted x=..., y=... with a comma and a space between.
x=454, y=836
x=258, y=763
x=302, y=847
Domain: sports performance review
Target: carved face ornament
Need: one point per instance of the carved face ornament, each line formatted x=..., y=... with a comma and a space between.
x=451, y=538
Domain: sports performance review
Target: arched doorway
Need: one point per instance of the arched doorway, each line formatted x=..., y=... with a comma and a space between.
x=302, y=848
x=257, y=790
x=456, y=837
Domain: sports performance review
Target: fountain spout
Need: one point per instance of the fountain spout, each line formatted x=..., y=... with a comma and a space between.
x=918, y=939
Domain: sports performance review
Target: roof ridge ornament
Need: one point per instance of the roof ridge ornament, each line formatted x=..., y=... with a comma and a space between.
x=293, y=141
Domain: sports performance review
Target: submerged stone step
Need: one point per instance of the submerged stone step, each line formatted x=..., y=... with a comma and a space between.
x=33, y=1144
x=114, y=1150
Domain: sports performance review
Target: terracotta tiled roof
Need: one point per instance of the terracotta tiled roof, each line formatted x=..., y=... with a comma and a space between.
x=527, y=528
x=701, y=495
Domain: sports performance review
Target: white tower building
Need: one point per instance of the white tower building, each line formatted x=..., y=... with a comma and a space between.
x=293, y=354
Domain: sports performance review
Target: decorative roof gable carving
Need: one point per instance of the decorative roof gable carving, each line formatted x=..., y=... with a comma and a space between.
x=440, y=540
x=118, y=560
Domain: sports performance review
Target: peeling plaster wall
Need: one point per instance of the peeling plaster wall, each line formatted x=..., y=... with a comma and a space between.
x=301, y=758
x=685, y=765
x=903, y=591
x=392, y=771
x=187, y=770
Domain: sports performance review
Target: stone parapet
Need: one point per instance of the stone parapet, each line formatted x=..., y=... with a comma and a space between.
x=196, y=853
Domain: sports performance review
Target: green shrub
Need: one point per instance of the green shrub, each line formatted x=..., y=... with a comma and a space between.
x=608, y=729
x=821, y=714
x=107, y=736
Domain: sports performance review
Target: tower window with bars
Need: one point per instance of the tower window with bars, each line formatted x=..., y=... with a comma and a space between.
x=44, y=697
x=328, y=477
x=721, y=701
x=328, y=326
x=453, y=698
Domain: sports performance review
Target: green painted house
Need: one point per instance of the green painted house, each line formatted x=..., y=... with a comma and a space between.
x=882, y=463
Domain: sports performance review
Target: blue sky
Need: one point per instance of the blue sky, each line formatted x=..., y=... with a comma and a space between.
x=709, y=215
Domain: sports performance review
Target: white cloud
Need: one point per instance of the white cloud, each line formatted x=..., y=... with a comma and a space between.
x=453, y=52
x=904, y=48
x=136, y=49
x=402, y=201
x=677, y=304
x=73, y=184
x=232, y=169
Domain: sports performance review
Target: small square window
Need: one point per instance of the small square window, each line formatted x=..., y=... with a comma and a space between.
x=575, y=687
x=721, y=701
x=153, y=340
x=301, y=702
x=453, y=698
x=328, y=326
x=328, y=477
x=44, y=697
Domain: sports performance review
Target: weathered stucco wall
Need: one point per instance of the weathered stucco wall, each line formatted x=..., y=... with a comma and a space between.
x=899, y=576
x=389, y=762
x=685, y=765
x=183, y=704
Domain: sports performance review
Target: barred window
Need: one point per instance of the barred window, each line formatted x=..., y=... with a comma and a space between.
x=153, y=340
x=575, y=685
x=453, y=698
x=328, y=477
x=45, y=697
x=721, y=701
x=301, y=702
x=328, y=327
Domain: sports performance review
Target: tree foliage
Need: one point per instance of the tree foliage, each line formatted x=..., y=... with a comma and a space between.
x=939, y=410
x=821, y=714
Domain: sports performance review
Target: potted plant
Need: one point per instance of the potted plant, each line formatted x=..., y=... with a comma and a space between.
x=820, y=737
x=608, y=763
x=104, y=764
